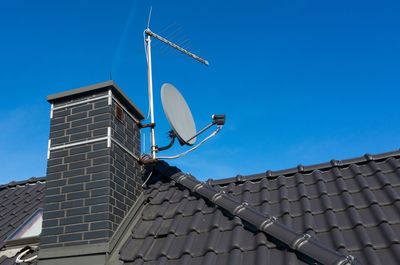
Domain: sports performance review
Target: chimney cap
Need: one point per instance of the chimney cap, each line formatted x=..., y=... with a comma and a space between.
x=98, y=86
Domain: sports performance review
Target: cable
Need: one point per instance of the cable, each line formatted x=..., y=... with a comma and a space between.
x=144, y=183
x=193, y=148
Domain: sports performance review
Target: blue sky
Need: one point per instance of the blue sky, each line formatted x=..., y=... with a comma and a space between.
x=299, y=81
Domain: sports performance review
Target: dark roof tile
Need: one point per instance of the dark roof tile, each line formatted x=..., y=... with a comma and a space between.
x=349, y=207
x=18, y=201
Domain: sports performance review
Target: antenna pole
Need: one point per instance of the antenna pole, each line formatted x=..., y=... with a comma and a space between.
x=151, y=101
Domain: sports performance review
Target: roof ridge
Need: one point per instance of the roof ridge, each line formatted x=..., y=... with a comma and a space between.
x=302, y=243
x=270, y=174
x=22, y=182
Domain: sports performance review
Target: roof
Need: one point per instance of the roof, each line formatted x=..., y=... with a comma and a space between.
x=18, y=201
x=342, y=212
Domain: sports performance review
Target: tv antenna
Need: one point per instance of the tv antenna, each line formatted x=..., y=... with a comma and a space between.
x=175, y=107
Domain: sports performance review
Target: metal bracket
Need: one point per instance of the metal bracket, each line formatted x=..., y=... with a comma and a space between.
x=147, y=125
x=300, y=241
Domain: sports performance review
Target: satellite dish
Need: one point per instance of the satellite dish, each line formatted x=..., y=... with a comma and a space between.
x=178, y=114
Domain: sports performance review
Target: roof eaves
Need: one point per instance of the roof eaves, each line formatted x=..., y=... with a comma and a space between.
x=305, y=169
x=303, y=244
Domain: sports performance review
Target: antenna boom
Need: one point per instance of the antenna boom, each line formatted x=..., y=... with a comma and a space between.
x=173, y=45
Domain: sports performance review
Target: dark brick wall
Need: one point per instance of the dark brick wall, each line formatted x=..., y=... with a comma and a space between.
x=89, y=187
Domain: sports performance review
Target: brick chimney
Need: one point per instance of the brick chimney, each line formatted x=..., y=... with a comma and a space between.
x=93, y=174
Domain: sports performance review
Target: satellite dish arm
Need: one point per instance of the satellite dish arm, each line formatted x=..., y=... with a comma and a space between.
x=172, y=136
x=218, y=119
x=219, y=128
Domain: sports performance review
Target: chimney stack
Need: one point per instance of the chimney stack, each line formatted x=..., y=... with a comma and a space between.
x=93, y=173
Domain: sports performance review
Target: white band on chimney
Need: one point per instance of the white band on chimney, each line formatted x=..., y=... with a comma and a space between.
x=78, y=143
x=110, y=96
x=109, y=137
x=48, y=148
x=79, y=102
x=51, y=111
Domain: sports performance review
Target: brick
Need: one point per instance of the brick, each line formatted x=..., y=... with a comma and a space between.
x=80, y=164
x=61, y=113
x=121, y=205
x=72, y=204
x=82, y=108
x=52, y=231
x=56, y=134
x=102, y=117
x=53, y=191
x=97, y=234
x=100, y=225
x=54, y=162
x=54, y=198
x=52, y=206
x=100, y=208
x=99, y=132
x=74, y=173
x=77, y=116
x=95, y=169
x=99, y=153
x=71, y=220
x=100, y=176
x=77, y=129
x=96, y=217
x=102, y=160
x=55, y=183
x=97, y=200
x=58, y=153
x=70, y=237
x=119, y=212
x=75, y=158
x=51, y=223
x=99, y=111
x=100, y=192
x=100, y=146
x=53, y=214
x=55, y=121
x=81, y=136
x=59, y=127
x=101, y=103
x=78, y=211
x=96, y=184
x=60, y=140
x=76, y=228
x=81, y=122
x=101, y=124
x=56, y=169
x=77, y=195
x=80, y=149
x=79, y=179
x=72, y=188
